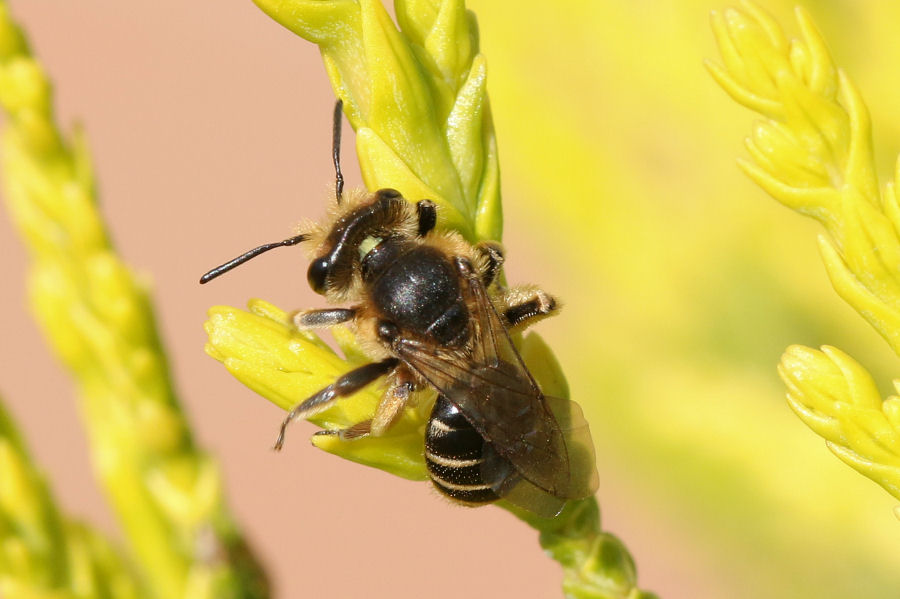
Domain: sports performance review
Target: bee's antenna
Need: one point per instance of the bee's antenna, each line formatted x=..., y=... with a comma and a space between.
x=336, y=150
x=220, y=270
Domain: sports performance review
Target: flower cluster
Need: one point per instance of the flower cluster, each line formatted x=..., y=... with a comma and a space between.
x=813, y=153
x=97, y=316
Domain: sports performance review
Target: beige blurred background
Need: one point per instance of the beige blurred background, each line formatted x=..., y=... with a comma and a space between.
x=210, y=131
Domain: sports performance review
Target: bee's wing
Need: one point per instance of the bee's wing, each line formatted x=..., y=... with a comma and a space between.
x=582, y=479
x=545, y=440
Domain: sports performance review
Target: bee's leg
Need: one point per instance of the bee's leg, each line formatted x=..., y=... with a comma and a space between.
x=391, y=406
x=327, y=317
x=389, y=409
x=427, y=213
x=492, y=259
x=526, y=305
x=358, y=430
x=346, y=384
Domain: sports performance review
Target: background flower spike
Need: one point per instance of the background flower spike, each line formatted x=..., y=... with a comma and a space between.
x=416, y=98
x=98, y=317
x=814, y=154
x=42, y=552
x=837, y=398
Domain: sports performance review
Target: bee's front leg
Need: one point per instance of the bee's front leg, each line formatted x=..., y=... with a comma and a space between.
x=326, y=317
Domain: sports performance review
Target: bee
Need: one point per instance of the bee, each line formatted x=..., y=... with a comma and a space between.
x=430, y=312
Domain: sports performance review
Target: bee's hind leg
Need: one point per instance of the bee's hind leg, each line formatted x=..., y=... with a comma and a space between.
x=386, y=414
x=391, y=405
x=358, y=430
x=347, y=384
x=527, y=305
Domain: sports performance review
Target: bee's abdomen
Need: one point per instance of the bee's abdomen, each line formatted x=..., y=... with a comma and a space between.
x=454, y=454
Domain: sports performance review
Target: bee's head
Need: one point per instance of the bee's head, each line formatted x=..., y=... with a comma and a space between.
x=352, y=237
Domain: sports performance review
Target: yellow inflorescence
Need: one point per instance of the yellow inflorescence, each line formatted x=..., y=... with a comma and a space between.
x=813, y=153
x=416, y=98
x=41, y=553
x=837, y=398
x=98, y=318
x=269, y=355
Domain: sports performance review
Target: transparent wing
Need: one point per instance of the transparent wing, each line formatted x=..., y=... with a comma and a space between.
x=539, y=446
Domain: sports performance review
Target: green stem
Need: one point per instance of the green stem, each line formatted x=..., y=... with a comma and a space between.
x=596, y=565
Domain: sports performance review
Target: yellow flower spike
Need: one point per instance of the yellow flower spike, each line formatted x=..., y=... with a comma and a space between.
x=349, y=345
x=375, y=156
x=415, y=97
x=543, y=365
x=97, y=569
x=188, y=491
x=838, y=399
x=22, y=500
x=446, y=33
x=418, y=103
x=270, y=356
x=417, y=100
x=41, y=553
x=98, y=317
x=794, y=85
x=814, y=154
x=398, y=452
x=891, y=407
x=280, y=363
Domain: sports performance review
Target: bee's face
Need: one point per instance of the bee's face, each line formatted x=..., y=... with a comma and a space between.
x=359, y=228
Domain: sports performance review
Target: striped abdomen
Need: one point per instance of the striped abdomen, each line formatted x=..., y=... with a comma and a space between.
x=454, y=454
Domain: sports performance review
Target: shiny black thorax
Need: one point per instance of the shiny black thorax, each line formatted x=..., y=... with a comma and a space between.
x=416, y=287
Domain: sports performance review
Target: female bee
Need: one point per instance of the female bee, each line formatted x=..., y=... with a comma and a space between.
x=431, y=313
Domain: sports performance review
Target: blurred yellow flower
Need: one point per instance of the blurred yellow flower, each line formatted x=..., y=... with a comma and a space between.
x=98, y=318
x=682, y=288
x=814, y=154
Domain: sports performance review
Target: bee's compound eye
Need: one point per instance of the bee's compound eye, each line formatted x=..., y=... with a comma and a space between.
x=317, y=273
